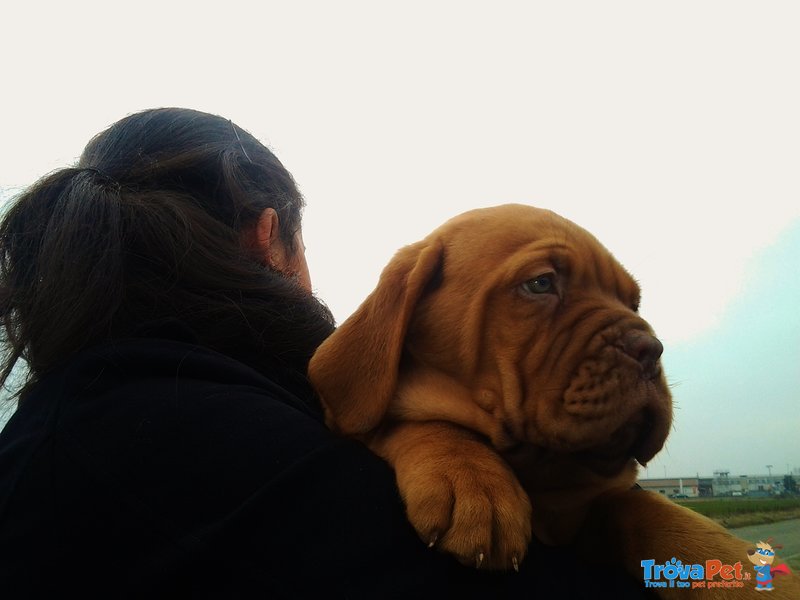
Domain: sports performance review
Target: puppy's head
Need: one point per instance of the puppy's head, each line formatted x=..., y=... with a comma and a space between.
x=513, y=322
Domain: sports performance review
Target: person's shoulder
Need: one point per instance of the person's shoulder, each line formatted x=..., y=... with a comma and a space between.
x=153, y=369
x=139, y=411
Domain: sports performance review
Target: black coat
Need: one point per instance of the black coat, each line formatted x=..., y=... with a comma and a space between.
x=159, y=468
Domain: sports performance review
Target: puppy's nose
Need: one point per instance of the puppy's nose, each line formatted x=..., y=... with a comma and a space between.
x=645, y=348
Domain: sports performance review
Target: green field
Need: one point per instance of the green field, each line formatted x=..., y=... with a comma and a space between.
x=741, y=512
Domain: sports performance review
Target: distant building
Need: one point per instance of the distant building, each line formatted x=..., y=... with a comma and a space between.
x=722, y=484
x=725, y=485
x=682, y=487
x=761, y=485
x=705, y=487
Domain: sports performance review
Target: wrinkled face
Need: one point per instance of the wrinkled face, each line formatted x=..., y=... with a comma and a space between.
x=541, y=323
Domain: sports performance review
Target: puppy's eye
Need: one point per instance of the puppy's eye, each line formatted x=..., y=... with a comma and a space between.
x=543, y=284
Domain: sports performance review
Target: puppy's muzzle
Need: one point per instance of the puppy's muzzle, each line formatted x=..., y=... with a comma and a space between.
x=645, y=349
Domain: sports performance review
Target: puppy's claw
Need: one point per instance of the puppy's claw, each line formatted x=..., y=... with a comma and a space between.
x=479, y=560
x=433, y=540
x=515, y=563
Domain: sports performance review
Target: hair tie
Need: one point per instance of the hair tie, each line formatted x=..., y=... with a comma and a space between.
x=102, y=176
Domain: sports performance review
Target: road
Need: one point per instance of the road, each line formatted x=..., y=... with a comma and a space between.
x=782, y=532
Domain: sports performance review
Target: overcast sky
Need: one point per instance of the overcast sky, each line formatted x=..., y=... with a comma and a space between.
x=670, y=130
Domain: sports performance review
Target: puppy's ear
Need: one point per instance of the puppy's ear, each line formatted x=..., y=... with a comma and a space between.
x=355, y=370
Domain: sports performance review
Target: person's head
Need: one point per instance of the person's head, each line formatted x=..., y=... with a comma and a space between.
x=170, y=214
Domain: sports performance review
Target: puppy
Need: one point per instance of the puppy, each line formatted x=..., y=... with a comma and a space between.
x=502, y=369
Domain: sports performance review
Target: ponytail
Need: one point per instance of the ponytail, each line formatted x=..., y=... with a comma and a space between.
x=60, y=245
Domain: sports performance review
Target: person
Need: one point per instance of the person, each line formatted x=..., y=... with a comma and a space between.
x=167, y=442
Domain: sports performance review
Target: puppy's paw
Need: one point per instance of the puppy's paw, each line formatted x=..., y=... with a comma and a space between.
x=467, y=502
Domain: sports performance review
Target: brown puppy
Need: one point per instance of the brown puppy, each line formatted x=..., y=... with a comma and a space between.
x=500, y=365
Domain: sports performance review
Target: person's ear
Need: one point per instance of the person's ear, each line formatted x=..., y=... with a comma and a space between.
x=268, y=241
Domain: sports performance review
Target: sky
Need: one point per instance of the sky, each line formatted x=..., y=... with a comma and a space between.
x=669, y=130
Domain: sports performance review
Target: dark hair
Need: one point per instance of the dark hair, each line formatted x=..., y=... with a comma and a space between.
x=149, y=227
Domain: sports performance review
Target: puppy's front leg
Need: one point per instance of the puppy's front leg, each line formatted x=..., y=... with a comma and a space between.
x=632, y=526
x=460, y=495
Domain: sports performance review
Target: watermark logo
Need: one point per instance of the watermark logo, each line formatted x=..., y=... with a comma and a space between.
x=714, y=573
x=709, y=574
x=763, y=559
